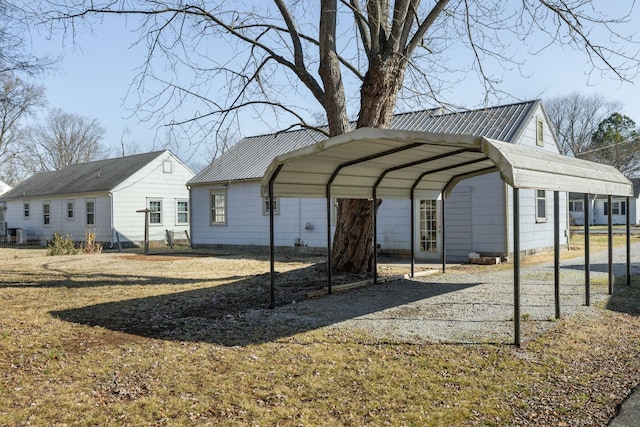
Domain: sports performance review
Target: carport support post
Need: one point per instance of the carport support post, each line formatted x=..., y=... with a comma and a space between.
x=444, y=245
x=628, y=244
x=556, y=251
x=272, y=246
x=587, y=252
x=413, y=236
x=610, y=241
x=516, y=265
x=329, y=267
x=375, y=238
x=272, y=259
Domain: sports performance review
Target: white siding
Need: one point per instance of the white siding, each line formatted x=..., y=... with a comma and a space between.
x=537, y=235
x=76, y=228
x=150, y=182
x=126, y=198
x=599, y=216
x=247, y=225
x=394, y=225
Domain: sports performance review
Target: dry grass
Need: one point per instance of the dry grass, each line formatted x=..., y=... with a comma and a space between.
x=79, y=345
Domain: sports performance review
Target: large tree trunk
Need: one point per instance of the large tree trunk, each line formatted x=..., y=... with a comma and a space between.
x=353, y=241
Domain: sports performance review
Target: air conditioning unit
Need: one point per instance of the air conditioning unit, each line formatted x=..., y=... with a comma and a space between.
x=21, y=235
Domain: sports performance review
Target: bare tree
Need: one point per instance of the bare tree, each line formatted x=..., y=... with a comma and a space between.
x=66, y=139
x=15, y=52
x=18, y=101
x=575, y=117
x=347, y=55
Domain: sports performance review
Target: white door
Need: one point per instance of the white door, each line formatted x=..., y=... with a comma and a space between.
x=429, y=229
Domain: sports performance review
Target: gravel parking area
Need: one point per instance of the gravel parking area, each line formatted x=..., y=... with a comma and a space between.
x=454, y=307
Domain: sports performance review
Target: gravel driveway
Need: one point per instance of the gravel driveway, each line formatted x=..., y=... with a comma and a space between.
x=454, y=307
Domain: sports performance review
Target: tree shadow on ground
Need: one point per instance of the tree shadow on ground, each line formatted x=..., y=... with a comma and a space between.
x=237, y=313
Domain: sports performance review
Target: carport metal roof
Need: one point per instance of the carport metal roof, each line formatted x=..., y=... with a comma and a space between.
x=399, y=161
x=373, y=163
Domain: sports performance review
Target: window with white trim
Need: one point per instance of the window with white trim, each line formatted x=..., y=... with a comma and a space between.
x=617, y=208
x=218, y=206
x=182, y=211
x=266, y=206
x=91, y=211
x=541, y=206
x=26, y=209
x=71, y=212
x=46, y=214
x=155, y=211
x=576, y=206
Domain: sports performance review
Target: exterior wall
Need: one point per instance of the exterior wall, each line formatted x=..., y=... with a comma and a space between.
x=537, y=235
x=300, y=222
x=475, y=218
x=59, y=222
x=247, y=226
x=599, y=217
x=150, y=182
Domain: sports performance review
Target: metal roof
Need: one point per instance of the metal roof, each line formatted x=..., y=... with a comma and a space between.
x=89, y=177
x=251, y=156
x=394, y=163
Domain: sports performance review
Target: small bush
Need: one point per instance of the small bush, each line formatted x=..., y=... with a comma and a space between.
x=91, y=246
x=60, y=245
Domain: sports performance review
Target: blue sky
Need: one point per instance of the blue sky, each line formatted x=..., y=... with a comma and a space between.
x=98, y=67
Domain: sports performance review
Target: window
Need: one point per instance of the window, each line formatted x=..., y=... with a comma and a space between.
x=182, y=214
x=218, y=199
x=541, y=206
x=155, y=214
x=266, y=206
x=70, y=210
x=166, y=166
x=46, y=213
x=617, y=208
x=91, y=212
x=26, y=207
x=576, y=206
x=539, y=132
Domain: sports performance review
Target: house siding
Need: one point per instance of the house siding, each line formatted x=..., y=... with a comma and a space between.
x=150, y=182
x=115, y=210
x=76, y=228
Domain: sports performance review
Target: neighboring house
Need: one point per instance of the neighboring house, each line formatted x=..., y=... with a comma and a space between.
x=4, y=187
x=103, y=197
x=228, y=209
x=598, y=204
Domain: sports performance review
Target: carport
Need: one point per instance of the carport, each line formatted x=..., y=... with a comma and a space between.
x=375, y=164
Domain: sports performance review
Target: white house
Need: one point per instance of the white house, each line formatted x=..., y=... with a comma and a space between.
x=4, y=187
x=103, y=197
x=598, y=208
x=228, y=209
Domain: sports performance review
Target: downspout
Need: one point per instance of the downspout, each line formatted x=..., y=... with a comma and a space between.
x=113, y=231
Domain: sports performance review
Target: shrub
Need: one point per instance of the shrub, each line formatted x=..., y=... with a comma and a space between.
x=60, y=245
x=91, y=246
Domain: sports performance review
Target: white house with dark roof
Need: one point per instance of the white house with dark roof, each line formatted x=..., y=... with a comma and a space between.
x=228, y=209
x=103, y=197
